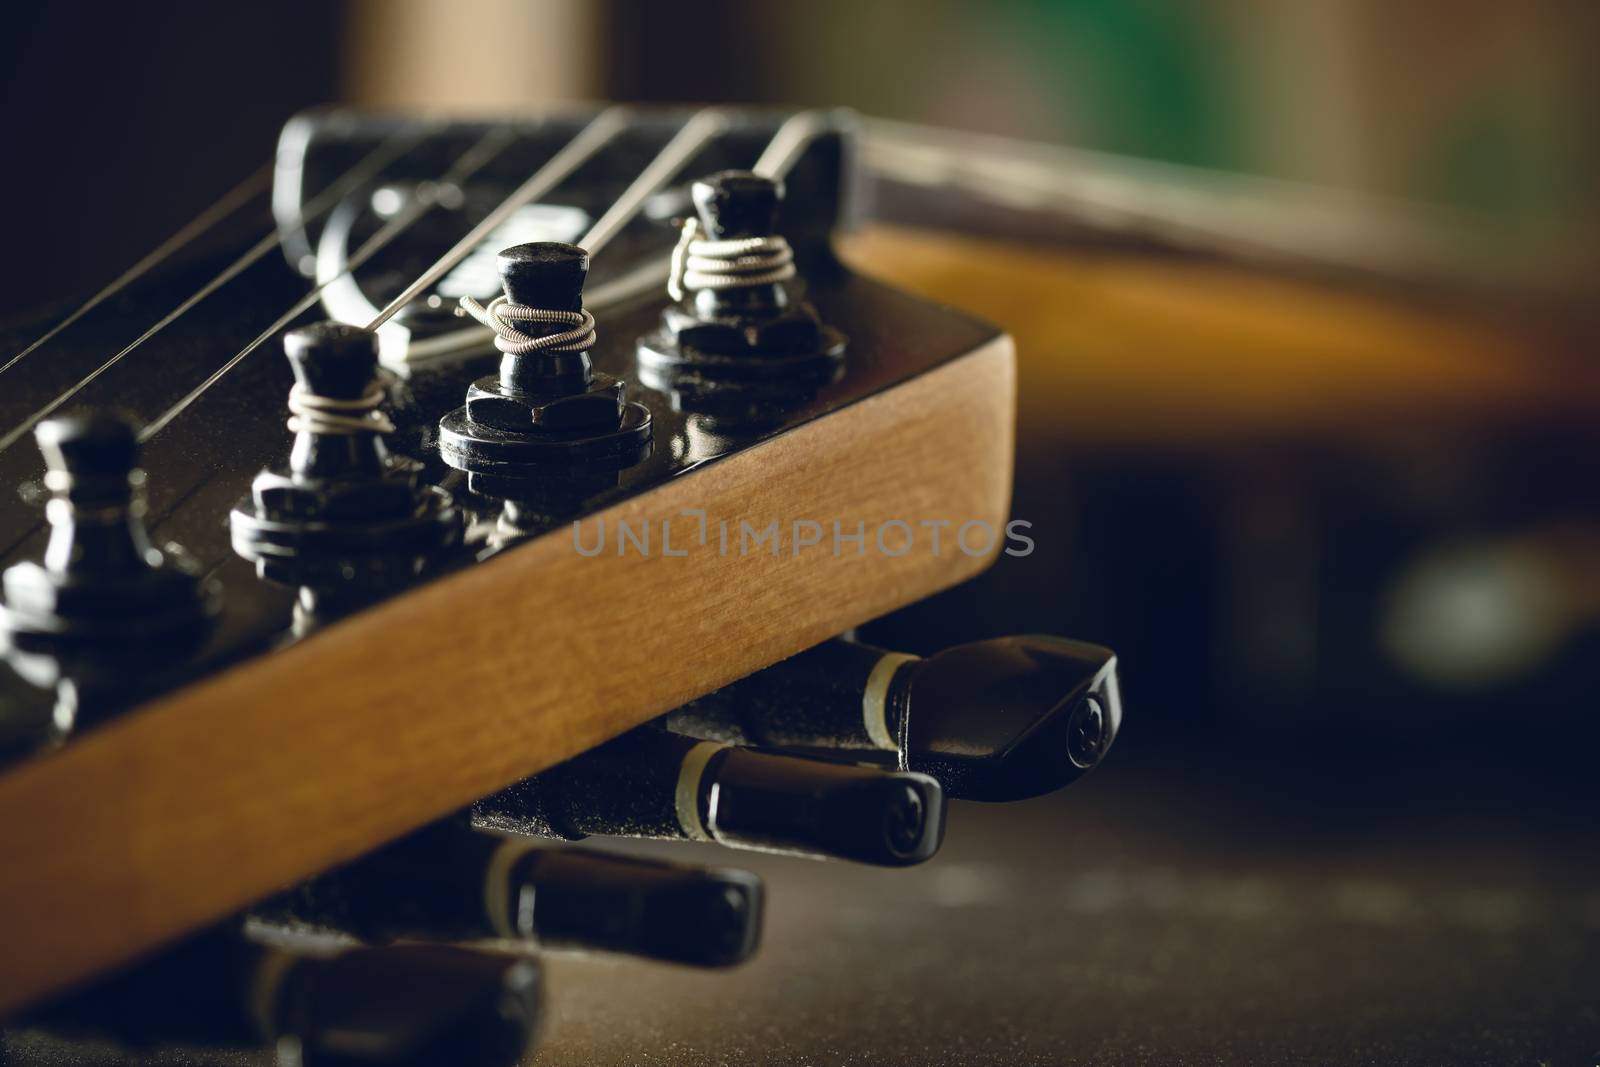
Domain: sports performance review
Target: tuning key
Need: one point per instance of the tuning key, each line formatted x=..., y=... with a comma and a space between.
x=398, y=1006
x=654, y=784
x=1003, y=719
x=451, y=883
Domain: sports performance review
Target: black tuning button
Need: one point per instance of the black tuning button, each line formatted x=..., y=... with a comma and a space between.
x=449, y=882
x=545, y=274
x=739, y=206
x=546, y=407
x=734, y=336
x=104, y=599
x=1003, y=719
x=654, y=784
x=397, y=1006
x=343, y=513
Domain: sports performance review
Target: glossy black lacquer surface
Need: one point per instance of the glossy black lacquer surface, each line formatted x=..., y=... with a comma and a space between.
x=361, y=176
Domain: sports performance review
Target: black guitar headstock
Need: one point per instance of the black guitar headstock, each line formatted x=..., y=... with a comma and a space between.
x=462, y=449
x=382, y=225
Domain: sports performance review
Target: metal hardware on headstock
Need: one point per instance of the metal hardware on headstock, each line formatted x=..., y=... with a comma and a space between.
x=386, y=196
x=547, y=405
x=317, y=1002
x=449, y=882
x=654, y=784
x=105, y=611
x=808, y=149
x=344, y=519
x=735, y=341
x=1003, y=719
x=461, y=460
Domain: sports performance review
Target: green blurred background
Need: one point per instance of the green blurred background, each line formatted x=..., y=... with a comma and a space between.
x=1486, y=106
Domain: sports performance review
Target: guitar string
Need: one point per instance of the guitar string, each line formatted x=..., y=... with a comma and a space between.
x=386, y=152
x=427, y=195
x=790, y=140
x=590, y=140
x=754, y=260
x=599, y=132
x=680, y=148
x=344, y=300
x=231, y=200
x=683, y=146
x=789, y=144
x=782, y=152
x=702, y=127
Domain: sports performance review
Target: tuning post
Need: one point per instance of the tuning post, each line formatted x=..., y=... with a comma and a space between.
x=343, y=511
x=546, y=407
x=734, y=327
x=104, y=601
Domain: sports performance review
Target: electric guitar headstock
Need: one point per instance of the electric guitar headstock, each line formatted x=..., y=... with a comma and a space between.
x=448, y=453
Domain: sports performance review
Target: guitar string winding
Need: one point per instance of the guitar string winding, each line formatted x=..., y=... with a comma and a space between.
x=501, y=314
x=313, y=413
x=701, y=263
x=780, y=155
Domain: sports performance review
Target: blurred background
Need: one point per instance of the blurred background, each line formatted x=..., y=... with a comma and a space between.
x=1480, y=105
x=1330, y=491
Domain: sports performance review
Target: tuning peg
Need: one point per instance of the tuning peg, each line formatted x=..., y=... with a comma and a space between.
x=91, y=458
x=400, y=1006
x=451, y=883
x=1003, y=719
x=544, y=274
x=339, y=433
x=547, y=405
x=343, y=513
x=650, y=783
x=733, y=326
x=737, y=204
x=102, y=589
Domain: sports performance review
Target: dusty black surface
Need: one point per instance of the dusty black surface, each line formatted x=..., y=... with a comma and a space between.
x=1150, y=915
x=1128, y=922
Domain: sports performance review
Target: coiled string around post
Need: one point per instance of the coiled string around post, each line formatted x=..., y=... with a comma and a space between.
x=701, y=263
x=313, y=413
x=501, y=315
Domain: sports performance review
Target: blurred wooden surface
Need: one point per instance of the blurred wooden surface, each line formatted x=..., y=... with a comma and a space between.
x=1137, y=349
